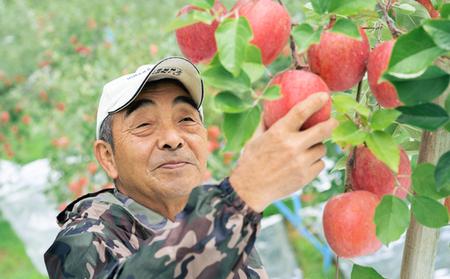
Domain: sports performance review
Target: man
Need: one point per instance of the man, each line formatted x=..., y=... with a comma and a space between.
x=156, y=223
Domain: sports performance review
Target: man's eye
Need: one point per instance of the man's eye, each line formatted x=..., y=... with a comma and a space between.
x=142, y=125
x=187, y=119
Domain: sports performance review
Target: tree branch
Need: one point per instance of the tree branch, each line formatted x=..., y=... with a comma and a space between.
x=394, y=30
x=349, y=167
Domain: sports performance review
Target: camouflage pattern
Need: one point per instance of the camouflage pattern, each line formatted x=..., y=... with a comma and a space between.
x=109, y=235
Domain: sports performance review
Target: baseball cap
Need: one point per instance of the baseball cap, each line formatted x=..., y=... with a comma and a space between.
x=120, y=92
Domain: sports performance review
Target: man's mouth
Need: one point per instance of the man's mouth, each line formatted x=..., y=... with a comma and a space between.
x=173, y=164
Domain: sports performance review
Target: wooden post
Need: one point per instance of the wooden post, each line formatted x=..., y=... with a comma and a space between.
x=419, y=254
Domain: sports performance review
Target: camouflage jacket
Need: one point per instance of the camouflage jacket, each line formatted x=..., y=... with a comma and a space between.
x=109, y=235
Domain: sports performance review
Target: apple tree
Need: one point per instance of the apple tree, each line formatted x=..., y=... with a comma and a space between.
x=386, y=66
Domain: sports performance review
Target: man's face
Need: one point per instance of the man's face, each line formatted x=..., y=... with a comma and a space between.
x=160, y=146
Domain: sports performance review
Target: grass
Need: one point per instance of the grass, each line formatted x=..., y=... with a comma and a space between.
x=14, y=262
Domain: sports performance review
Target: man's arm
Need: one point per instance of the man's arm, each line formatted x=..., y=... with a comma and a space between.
x=210, y=237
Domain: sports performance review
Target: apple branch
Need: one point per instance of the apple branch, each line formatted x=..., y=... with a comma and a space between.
x=396, y=182
x=332, y=21
x=394, y=30
x=294, y=56
x=351, y=164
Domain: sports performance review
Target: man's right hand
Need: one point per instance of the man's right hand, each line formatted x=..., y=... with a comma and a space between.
x=283, y=160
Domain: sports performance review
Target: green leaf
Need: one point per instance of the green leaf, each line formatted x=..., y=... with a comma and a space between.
x=411, y=92
x=442, y=172
x=436, y=4
x=232, y=37
x=426, y=116
x=272, y=93
x=348, y=132
x=359, y=272
x=304, y=35
x=394, y=130
x=239, y=127
x=350, y=7
x=203, y=4
x=321, y=6
x=192, y=17
x=219, y=77
x=429, y=212
x=340, y=164
x=447, y=107
x=345, y=103
x=407, y=20
x=384, y=147
x=424, y=184
x=346, y=27
x=253, y=66
x=383, y=118
x=229, y=102
x=411, y=147
x=413, y=52
x=406, y=9
x=445, y=11
x=392, y=217
x=439, y=30
x=413, y=132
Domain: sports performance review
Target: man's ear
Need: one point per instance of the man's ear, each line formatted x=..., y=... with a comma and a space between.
x=105, y=156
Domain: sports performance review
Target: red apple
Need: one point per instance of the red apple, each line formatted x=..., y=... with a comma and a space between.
x=92, y=167
x=26, y=119
x=348, y=224
x=271, y=26
x=384, y=92
x=372, y=175
x=339, y=59
x=197, y=41
x=4, y=117
x=427, y=4
x=213, y=132
x=296, y=85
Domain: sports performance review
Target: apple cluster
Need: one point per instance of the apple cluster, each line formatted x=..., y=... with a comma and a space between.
x=336, y=63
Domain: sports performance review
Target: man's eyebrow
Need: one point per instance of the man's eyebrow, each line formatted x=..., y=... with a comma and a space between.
x=185, y=100
x=137, y=104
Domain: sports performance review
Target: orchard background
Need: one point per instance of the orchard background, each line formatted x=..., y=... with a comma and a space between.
x=56, y=58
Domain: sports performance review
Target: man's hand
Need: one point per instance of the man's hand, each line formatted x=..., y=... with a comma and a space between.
x=283, y=159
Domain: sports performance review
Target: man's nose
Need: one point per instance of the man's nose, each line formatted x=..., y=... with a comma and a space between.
x=170, y=138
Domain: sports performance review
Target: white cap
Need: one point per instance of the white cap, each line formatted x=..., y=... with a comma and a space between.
x=120, y=92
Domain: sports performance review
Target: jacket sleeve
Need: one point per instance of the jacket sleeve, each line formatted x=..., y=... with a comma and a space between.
x=210, y=238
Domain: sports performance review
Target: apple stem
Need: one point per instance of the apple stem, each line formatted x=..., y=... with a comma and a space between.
x=379, y=34
x=294, y=56
x=394, y=30
x=332, y=21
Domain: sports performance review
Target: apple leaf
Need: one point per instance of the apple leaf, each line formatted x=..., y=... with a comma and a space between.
x=350, y=7
x=219, y=77
x=442, y=172
x=232, y=37
x=229, y=102
x=191, y=17
x=394, y=130
x=383, y=118
x=406, y=9
x=384, y=147
x=447, y=107
x=413, y=52
x=424, y=184
x=406, y=19
x=321, y=6
x=340, y=164
x=272, y=93
x=304, y=35
x=392, y=217
x=445, y=11
x=359, y=272
x=413, y=132
x=439, y=30
x=348, y=132
x=345, y=103
x=203, y=4
x=253, y=66
x=426, y=116
x=434, y=81
x=411, y=147
x=429, y=212
x=346, y=27
x=239, y=127
x=436, y=4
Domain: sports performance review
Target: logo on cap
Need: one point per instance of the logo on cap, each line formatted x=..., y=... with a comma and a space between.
x=170, y=70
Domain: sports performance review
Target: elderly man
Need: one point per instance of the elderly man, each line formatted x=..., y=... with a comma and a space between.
x=157, y=223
